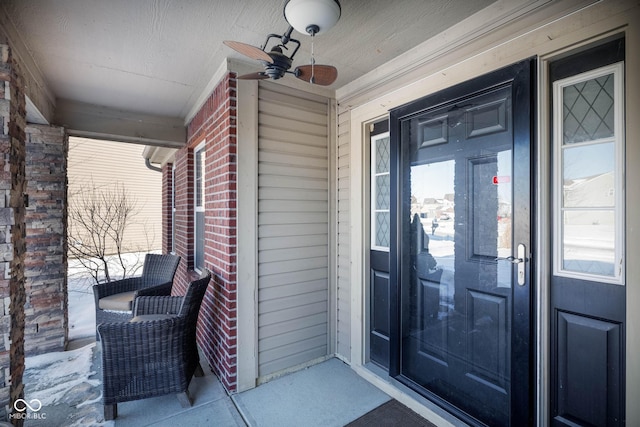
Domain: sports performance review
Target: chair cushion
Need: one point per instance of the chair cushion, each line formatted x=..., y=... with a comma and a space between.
x=149, y=317
x=119, y=302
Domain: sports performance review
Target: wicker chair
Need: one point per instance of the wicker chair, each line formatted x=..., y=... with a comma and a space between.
x=114, y=300
x=155, y=353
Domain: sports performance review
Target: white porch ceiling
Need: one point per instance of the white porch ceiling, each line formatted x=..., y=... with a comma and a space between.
x=156, y=57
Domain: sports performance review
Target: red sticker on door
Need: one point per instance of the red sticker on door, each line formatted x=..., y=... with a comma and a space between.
x=501, y=179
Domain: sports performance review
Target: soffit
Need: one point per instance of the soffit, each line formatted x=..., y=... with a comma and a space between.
x=158, y=56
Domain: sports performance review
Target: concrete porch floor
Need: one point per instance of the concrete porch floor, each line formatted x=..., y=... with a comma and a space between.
x=324, y=395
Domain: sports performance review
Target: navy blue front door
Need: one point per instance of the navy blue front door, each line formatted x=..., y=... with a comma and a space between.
x=461, y=312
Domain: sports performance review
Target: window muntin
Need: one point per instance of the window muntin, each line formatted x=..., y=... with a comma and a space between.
x=380, y=192
x=588, y=178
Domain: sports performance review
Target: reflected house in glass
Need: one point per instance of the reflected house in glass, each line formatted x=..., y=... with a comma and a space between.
x=597, y=190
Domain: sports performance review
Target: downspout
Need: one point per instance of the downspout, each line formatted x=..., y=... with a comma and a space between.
x=148, y=164
x=160, y=154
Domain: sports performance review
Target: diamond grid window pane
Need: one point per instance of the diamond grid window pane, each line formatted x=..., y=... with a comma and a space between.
x=382, y=191
x=382, y=229
x=588, y=112
x=382, y=155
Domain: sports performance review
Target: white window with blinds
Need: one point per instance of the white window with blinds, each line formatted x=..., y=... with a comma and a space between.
x=199, y=208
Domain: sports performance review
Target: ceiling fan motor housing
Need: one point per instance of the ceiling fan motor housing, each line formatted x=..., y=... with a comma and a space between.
x=281, y=63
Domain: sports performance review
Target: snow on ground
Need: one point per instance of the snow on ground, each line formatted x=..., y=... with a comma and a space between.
x=82, y=314
x=65, y=388
x=68, y=383
x=54, y=374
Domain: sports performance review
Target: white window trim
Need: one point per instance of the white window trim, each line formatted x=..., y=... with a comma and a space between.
x=374, y=175
x=196, y=208
x=619, y=140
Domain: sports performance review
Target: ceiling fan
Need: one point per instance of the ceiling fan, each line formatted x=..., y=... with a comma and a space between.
x=306, y=16
x=277, y=63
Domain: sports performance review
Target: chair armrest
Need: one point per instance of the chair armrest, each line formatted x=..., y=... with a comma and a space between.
x=156, y=305
x=129, y=284
x=131, y=334
x=162, y=289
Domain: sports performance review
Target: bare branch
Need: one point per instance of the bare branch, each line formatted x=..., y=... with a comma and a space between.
x=98, y=221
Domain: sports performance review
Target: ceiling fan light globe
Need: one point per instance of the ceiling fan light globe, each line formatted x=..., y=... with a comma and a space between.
x=312, y=16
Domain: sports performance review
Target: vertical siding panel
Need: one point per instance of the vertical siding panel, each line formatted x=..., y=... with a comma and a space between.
x=292, y=228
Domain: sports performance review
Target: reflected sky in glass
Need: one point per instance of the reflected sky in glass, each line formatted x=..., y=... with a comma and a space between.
x=588, y=160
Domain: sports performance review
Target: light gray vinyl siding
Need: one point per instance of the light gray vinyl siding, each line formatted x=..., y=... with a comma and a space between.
x=293, y=213
x=343, y=248
x=105, y=165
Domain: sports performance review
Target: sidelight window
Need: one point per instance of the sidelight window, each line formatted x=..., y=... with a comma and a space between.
x=588, y=177
x=380, y=192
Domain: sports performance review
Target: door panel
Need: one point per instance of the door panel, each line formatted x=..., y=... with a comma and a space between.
x=588, y=363
x=379, y=317
x=460, y=323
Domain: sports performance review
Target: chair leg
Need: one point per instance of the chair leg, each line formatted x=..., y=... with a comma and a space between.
x=198, y=372
x=110, y=412
x=185, y=399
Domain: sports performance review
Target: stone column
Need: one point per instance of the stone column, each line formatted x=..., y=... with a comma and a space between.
x=46, y=314
x=12, y=231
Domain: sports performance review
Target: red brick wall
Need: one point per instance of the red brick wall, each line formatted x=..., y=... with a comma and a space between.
x=215, y=124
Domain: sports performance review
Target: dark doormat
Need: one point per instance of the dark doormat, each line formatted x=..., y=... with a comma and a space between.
x=391, y=414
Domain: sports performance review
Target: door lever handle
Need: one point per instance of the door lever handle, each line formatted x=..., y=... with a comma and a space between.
x=511, y=259
x=520, y=261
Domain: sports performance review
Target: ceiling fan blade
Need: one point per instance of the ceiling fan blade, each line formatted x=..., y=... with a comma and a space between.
x=322, y=75
x=260, y=75
x=248, y=50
